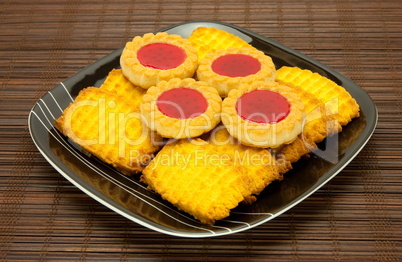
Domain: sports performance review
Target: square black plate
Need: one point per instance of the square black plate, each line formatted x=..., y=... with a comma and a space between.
x=131, y=199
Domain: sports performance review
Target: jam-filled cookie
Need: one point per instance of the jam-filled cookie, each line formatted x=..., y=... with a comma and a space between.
x=263, y=114
x=149, y=59
x=181, y=108
x=226, y=69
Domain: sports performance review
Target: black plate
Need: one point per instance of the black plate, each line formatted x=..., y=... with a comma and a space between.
x=131, y=199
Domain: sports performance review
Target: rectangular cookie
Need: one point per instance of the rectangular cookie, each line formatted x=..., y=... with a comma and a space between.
x=204, y=180
x=117, y=82
x=109, y=127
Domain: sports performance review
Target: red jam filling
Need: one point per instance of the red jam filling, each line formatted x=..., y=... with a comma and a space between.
x=236, y=65
x=182, y=103
x=161, y=56
x=263, y=107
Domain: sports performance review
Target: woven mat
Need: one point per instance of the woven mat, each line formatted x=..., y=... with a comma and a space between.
x=356, y=216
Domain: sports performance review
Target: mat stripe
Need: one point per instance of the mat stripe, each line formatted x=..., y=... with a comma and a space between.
x=247, y=15
x=189, y=9
x=50, y=73
x=217, y=5
x=390, y=57
x=88, y=230
x=17, y=50
x=14, y=193
x=293, y=236
x=158, y=18
x=128, y=25
x=380, y=223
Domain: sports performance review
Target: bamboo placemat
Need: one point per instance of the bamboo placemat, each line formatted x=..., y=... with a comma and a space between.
x=43, y=217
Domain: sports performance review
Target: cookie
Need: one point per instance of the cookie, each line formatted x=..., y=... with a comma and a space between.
x=106, y=125
x=263, y=114
x=202, y=179
x=206, y=40
x=226, y=69
x=149, y=59
x=181, y=108
x=337, y=100
x=117, y=82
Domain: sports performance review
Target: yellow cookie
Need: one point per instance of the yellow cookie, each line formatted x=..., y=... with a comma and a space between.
x=207, y=39
x=338, y=101
x=106, y=125
x=316, y=127
x=117, y=82
x=202, y=179
x=260, y=164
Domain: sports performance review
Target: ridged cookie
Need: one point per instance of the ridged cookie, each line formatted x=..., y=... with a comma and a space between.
x=316, y=128
x=152, y=58
x=106, y=125
x=337, y=100
x=202, y=179
x=117, y=82
x=207, y=39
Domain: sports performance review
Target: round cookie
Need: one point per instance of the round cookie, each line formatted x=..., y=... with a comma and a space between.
x=263, y=114
x=152, y=58
x=225, y=69
x=181, y=108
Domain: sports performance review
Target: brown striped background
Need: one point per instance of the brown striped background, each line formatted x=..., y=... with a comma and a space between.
x=355, y=217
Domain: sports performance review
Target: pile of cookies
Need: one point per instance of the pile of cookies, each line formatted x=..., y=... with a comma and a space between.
x=208, y=121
